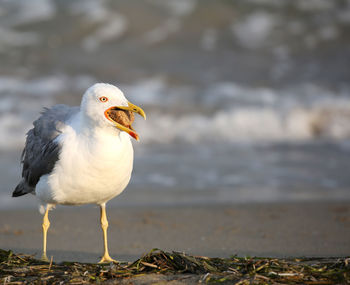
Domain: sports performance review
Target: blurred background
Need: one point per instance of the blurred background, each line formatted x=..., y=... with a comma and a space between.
x=247, y=100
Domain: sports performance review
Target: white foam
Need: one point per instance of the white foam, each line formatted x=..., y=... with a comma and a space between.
x=19, y=12
x=241, y=113
x=12, y=131
x=228, y=126
x=30, y=11
x=223, y=93
x=179, y=7
x=45, y=86
x=148, y=91
x=94, y=11
x=23, y=99
x=254, y=30
x=162, y=32
x=12, y=38
x=112, y=29
x=111, y=25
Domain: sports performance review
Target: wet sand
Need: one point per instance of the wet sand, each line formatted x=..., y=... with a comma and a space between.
x=269, y=230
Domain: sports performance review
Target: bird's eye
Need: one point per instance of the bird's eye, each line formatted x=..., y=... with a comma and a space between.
x=103, y=99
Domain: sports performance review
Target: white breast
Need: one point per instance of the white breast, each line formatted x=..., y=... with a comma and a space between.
x=92, y=168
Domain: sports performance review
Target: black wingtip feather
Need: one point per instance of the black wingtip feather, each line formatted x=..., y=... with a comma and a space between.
x=20, y=190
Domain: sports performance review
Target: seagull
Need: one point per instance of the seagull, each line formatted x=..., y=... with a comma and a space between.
x=80, y=155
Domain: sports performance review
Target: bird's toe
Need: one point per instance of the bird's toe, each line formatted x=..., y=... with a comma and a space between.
x=44, y=258
x=108, y=259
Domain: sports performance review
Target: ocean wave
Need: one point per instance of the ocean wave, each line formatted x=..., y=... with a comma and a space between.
x=225, y=112
x=254, y=31
x=45, y=86
x=253, y=124
x=229, y=112
x=27, y=12
x=23, y=99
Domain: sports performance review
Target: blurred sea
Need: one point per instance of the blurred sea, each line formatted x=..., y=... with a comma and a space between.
x=246, y=101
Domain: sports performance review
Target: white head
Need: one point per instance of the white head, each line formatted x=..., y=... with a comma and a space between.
x=103, y=97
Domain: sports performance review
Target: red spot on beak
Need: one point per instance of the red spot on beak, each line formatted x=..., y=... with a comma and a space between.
x=134, y=135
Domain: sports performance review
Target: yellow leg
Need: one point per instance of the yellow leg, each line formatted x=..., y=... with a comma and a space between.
x=46, y=225
x=104, y=224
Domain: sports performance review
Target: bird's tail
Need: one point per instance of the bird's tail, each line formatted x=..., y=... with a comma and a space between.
x=21, y=189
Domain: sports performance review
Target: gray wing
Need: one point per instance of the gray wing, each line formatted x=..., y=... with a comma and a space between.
x=41, y=151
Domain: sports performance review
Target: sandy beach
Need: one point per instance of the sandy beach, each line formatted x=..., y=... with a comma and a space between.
x=269, y=230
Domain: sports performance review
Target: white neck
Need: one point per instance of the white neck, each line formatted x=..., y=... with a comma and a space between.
x=91, y=128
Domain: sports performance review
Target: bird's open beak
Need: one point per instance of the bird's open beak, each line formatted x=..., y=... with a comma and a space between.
x=126, y=127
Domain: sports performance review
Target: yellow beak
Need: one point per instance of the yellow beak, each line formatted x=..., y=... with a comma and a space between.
x=134, y=108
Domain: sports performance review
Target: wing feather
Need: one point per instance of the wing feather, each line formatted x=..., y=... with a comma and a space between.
x=41, y=151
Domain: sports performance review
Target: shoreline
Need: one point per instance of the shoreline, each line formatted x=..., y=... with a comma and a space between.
x=282, y=230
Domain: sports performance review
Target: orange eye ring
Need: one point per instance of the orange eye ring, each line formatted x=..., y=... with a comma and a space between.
x=103, y=99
